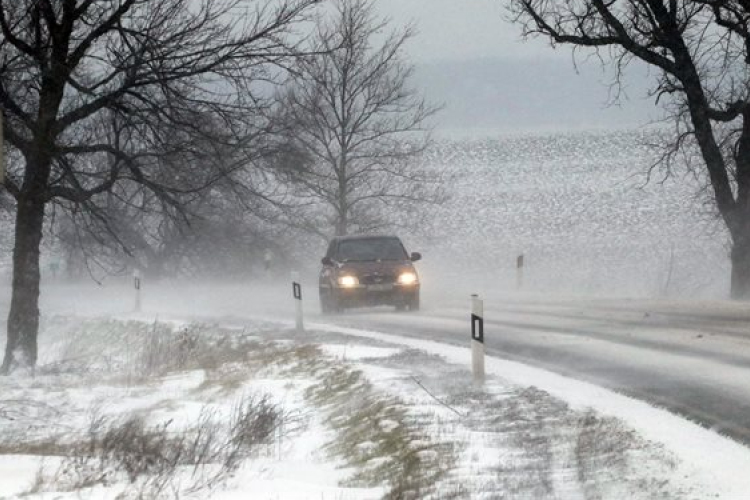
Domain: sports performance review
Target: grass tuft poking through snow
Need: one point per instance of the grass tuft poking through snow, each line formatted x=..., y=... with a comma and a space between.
x=151, y=459
x=125, y=409
x=518, y=442
x=162, y=438
x=128, y=409
x=379, y=438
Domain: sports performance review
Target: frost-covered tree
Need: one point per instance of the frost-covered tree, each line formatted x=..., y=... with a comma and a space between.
x=357, y=125
x=700, y=51
x=95, y=93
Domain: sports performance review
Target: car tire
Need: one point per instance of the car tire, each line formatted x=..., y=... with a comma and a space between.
x=414, y=303
x=326, y=303
x=330, y=304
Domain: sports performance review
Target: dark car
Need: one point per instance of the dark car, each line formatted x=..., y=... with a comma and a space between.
x=363, y=271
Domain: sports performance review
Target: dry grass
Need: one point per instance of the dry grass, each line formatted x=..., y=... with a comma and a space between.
x=158, y=460
x=533, y=446
x=378, y=437
x=383, y=440
x=153, y=459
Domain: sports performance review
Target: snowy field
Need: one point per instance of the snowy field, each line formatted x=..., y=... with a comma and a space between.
x=132, y=408
x=577, y=205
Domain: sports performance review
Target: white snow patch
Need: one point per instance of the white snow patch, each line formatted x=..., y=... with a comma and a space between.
x=18, y=473
x=354, y=352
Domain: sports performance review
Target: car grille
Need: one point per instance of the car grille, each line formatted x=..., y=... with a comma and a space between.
x=377, y=279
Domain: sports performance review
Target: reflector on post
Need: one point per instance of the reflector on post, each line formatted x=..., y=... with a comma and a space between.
x=519, y=272
x=137, y=286
x=297, y=294
x=477, y=339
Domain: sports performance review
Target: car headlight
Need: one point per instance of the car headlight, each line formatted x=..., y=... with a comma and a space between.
x=407, y=278
x=348, y=281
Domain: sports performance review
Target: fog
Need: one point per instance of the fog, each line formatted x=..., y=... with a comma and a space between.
x=545, y=160
x=577, y=205
x=531, y=180
x=539, y=156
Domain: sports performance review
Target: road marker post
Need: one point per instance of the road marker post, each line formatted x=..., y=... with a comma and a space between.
x=137, y=286
x=519, y=272
x=477, y=339
x=297, y=294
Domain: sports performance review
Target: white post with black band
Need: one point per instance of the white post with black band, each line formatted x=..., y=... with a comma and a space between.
x=297, y=293
x=477, y=339
x=137, y=286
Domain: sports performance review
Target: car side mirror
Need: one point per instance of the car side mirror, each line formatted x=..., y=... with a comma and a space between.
x=327, y=261
x=415, y=256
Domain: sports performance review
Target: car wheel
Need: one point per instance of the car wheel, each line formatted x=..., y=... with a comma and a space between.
x=326, y=303
x=330, y=304
x=414, y=303
x=324, y=308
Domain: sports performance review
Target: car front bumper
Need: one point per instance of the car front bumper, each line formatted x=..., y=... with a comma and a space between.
x=370, y=295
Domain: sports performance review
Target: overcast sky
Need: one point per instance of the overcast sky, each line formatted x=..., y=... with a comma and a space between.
x=451, y=30
x=473, y=60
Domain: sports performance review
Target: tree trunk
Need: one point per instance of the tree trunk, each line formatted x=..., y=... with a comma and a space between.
x=23, y=319
x=741, y=266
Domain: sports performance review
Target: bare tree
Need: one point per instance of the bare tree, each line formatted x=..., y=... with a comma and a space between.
x=211, y=230
x=701, y=51
x=94, y=92
x=356, y=125
x=222, y=233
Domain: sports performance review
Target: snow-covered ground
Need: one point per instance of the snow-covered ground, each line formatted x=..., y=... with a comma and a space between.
x=68, y=433
x=711, y=465
x=579, y=206
x=357, y=415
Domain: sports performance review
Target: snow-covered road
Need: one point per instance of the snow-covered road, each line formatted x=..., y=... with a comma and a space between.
x=692, y=358
x=688, y=356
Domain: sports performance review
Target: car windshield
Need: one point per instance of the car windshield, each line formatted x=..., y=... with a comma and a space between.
x=367, y=249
